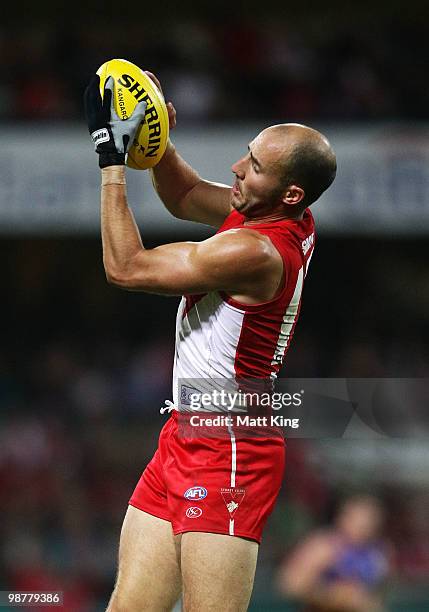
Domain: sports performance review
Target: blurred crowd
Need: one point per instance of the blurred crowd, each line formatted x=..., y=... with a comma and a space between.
x=78, y=425
x=327, y=65
x=85, y=369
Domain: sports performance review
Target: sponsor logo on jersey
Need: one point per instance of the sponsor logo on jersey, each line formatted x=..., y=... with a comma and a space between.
x=193, y=512
x=100, y=136
x=307, y=243
x=196, y=493
x=232, y=496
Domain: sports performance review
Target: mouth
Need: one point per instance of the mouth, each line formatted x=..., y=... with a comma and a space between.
x=235, y=189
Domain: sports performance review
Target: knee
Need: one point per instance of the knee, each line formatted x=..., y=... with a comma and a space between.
x=123, y=602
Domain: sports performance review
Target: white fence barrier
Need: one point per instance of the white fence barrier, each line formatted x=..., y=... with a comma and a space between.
x=49, y=182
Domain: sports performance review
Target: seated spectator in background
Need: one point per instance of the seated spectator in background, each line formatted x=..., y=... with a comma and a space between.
x=342, y=568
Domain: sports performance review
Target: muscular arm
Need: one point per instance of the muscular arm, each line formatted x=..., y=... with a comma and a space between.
x=240, y=261
x=186, y=195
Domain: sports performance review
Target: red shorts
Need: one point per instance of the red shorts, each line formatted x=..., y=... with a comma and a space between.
x=218, y=485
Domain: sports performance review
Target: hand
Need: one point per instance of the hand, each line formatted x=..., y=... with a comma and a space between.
x=112, y=136
x=170, y=108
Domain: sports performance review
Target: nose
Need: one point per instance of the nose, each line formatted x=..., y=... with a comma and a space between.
x=238, y=169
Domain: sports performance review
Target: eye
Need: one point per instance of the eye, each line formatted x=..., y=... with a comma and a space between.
x=255, y=166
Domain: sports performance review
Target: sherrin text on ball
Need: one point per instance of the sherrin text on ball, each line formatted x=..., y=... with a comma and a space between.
x=132, y=85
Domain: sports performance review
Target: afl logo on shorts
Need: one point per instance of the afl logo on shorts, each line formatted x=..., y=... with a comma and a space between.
x=196, y=493
x=193, y=512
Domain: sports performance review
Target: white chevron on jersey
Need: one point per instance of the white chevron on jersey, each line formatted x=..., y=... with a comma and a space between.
x=206, y=343
x=289, y=320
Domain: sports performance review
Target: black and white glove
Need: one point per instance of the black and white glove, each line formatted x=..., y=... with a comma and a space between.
x=112, y=136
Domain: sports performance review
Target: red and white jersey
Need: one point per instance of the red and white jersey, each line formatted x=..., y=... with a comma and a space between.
x=218, y=338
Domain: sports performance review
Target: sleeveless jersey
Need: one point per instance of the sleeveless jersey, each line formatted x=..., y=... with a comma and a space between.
x=219, y=339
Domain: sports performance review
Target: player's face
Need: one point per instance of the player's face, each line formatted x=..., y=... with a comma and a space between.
x=257, y=189
x=360, y=521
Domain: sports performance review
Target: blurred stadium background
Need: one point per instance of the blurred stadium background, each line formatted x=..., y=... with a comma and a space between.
x=85, y=368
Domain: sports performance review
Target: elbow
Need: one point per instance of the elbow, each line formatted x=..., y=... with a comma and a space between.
x=178, y=214
x=126, y=278
x=117, y=277
x=175, y=208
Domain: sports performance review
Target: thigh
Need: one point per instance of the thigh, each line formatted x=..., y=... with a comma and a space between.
x=217, y=572
x=224, y=486
x=148, y=573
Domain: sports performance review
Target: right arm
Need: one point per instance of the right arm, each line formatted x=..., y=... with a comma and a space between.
x=184, y=193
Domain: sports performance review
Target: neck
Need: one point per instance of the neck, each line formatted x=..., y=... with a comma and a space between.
x=280, y=216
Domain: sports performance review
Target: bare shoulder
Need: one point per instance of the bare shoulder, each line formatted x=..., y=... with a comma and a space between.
x=242, y=245
x=241, y=262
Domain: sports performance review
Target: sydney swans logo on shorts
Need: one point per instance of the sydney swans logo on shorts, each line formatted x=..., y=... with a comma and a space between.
x=193, y=512
x=232, y=497
x=232, y=506
x=196, y=493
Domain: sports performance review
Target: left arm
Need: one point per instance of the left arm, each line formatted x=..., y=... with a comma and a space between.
x=126, y=261
x=119, y=232
x=239, y=260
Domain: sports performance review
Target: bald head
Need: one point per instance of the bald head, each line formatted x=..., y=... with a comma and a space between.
x=304, y=156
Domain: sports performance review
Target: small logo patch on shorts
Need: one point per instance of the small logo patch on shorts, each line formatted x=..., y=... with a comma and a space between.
x=193, y=512
x=232, y=496
x=196, y=493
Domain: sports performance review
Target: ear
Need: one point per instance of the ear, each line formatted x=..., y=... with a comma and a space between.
x=293, y=195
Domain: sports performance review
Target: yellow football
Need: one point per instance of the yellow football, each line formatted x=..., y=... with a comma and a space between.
x=131, y=86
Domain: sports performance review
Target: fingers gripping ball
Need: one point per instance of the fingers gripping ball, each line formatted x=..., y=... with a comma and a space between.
x=132, y=86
